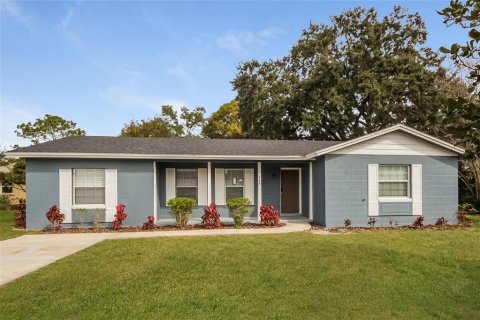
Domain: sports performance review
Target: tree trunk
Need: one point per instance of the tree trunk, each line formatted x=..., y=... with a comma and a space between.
x=476, y=176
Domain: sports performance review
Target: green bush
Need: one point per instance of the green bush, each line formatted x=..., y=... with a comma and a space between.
x=239, y=208
x=181, y=210
x=467, y=208
x=5, y=202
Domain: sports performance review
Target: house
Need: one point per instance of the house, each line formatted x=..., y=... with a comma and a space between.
x=393, y=175
x=15, y=192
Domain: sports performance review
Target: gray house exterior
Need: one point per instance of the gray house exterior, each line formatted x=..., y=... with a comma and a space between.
x=393, y=175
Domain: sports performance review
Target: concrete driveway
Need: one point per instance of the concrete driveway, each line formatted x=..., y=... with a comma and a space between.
x=22, y=255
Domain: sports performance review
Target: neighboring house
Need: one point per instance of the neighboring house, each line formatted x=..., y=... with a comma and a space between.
x=15, y=192
x=394, y=175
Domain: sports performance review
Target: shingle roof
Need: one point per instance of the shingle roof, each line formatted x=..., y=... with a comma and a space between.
x=178, y=146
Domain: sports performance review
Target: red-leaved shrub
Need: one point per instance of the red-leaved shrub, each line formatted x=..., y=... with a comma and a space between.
x=347, y=223
x=269, y=216
x=150, y=224
x=418, y=223
x=211, y=217
x=55, y=217
x=441, y=222
x=462, y=218
x=120, y=216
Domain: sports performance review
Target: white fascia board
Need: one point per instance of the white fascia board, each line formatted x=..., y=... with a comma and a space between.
x=398, y=127
x=147, y=156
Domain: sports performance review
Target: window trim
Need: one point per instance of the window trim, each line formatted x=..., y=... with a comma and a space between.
x=408, y=197
x=89, y=205
x=196, y=186
x=234, y=186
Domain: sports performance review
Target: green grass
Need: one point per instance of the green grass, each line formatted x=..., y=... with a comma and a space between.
x=366, y=275
x=476, y=219
x=7, y=222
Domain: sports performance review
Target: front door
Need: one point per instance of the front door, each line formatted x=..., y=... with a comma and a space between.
x=290, y=191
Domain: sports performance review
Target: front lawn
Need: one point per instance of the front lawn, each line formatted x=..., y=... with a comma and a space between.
x=424, y=274
x=7, y=222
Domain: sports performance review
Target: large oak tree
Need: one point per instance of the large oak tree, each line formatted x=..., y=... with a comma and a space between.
x=357, y=75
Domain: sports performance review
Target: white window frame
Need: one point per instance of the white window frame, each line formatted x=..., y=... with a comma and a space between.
x=408, y=197
x=196, y=186
x=234, y=185
x=86, y=205
x=6, y=185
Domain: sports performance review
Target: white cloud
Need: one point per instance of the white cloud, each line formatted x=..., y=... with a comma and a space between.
x=179, y=71
x=12, y=113
x=65, y=27
x=238, y=42
x=127, y=97
x=241, y=42
x=272, y=32
x=12, y=9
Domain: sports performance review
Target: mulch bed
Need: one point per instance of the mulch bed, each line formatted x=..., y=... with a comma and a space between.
x=425, y=227
x=160, y=228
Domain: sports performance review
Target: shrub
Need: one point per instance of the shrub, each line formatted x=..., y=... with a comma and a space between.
x=462, y=218
x=150, y=224
x=418, y=223
x=5, y=202
x=181, y=210
x=347, y=223
x=120, y=216
x=468, y=208
x=239, y=208
x=20, y=214
x=371, y=222
x=96, y=213
x=82, y=213
x=55, y=217
x=269, y=216
x=211, y=217
x=441, y=222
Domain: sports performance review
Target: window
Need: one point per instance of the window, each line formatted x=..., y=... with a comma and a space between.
x=89, y=186
x=186, y=183
x=7, y=188
x=394, y=180
x=234, y=179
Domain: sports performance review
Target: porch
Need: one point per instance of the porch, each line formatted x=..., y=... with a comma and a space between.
x=287, y=185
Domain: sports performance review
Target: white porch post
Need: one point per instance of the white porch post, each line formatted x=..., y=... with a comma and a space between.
x=155, y=194
x=259, y=189
x=209, y=182
x=310, y=192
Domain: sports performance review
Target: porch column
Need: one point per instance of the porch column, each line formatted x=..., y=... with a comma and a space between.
x=259, y=189
x=209, y=182
x=310, y=191
x=155, y=194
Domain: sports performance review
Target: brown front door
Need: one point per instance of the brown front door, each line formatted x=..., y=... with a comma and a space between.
x=290, y=191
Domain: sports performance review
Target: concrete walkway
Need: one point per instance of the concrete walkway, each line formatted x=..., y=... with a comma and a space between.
x=22, y=255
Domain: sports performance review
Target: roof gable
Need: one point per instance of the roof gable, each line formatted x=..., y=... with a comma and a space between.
x=395, y=140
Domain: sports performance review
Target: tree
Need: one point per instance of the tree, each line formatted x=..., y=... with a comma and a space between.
x=48, y=128
x=460, y=120
x=155, y=127
x=467, y=16
x=224, y=123
x=168, y=124
x=16, y=174
x=358, y=75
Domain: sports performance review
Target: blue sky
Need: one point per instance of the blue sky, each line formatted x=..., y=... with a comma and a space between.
x=104, y=63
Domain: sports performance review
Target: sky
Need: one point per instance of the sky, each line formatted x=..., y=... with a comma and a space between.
x=104, y=63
